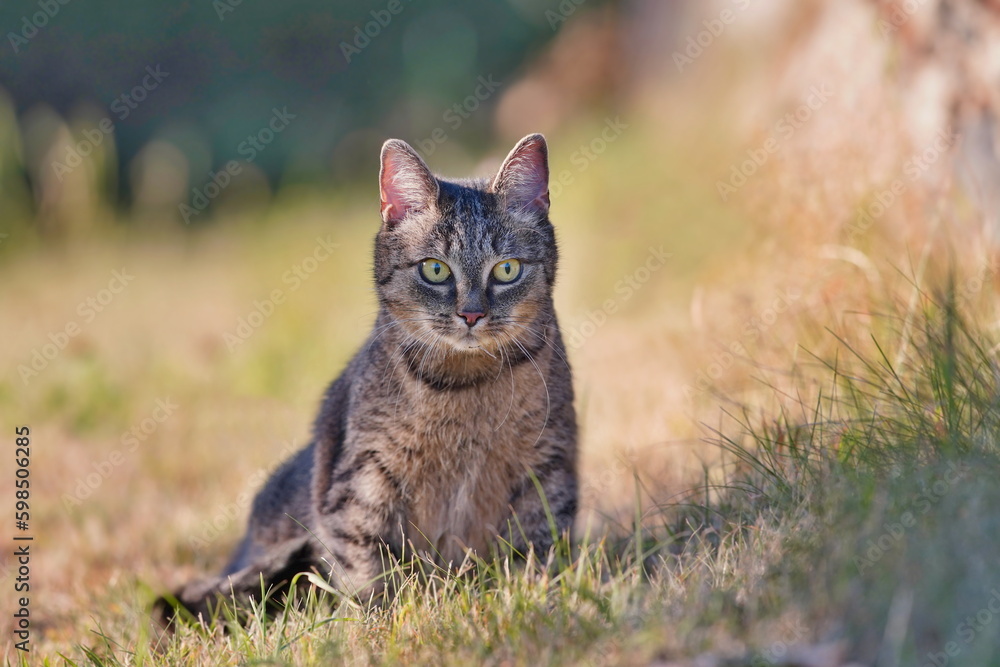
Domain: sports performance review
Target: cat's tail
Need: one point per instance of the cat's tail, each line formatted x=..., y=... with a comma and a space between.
x=267, y=577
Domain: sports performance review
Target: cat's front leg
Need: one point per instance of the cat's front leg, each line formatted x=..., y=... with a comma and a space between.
x=358, y=525
x=534, y=514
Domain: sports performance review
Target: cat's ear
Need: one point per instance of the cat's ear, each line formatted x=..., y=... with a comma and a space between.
x=405, y=183
x=523, y=180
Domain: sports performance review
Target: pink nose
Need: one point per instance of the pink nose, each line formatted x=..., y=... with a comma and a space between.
x=471, y=318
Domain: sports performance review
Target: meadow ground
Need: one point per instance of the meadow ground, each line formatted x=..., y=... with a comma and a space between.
x=789, y=432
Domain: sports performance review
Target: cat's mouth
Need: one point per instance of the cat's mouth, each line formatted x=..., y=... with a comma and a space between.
x=469, y=342
x=480, y=339
x=473, y=340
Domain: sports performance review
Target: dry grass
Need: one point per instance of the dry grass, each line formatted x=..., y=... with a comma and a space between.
x=805, y=333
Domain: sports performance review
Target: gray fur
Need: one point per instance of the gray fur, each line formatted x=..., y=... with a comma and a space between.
x=428, y=440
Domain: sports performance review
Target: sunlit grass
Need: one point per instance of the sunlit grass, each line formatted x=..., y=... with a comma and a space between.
x=734, y=520
x=854, y=519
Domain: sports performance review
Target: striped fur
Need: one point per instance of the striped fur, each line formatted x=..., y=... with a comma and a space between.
x=429, y=440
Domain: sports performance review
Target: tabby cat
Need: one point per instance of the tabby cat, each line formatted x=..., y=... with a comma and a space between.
x=432, y=439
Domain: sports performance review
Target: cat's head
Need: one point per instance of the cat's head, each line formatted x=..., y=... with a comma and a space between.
x=467, y=266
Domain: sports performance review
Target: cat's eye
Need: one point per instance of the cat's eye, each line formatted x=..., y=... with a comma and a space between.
x=434, y=271
x=507, y=271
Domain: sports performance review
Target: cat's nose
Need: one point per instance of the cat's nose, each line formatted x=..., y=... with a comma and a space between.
x=471, y=318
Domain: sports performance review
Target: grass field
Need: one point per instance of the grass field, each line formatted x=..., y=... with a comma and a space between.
x=789, y=432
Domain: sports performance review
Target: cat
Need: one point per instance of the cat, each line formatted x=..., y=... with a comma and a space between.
x=438, y=434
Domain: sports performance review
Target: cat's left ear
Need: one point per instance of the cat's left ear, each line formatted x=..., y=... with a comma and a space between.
x=523, y=180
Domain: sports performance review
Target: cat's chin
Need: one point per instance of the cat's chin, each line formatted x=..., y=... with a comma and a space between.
x=469, y=344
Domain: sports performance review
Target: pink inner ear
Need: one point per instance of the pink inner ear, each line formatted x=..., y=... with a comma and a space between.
x=533, y=179
x=394, y=207
x=405, y=185
x=388, y=210
x=523, y=180
x=395, y=204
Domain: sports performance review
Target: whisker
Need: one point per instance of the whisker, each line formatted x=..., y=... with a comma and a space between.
x=402, y=347
x=548, y=401
x=545, y=339
x=378, y=331
x=409, y=365
x=428, y=349
x=511, y=405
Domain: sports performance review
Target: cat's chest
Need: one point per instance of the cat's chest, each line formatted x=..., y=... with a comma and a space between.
x=465, y=440
x=467, y=451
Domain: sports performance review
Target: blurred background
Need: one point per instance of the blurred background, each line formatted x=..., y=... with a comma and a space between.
x=183, y=87
x=118, y=115
x=188, y=195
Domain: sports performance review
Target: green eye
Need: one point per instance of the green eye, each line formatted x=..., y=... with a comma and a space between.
x=434, y=270
x=507, y=271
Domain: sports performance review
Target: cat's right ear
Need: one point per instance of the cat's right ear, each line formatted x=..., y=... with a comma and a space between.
x=405, y=183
